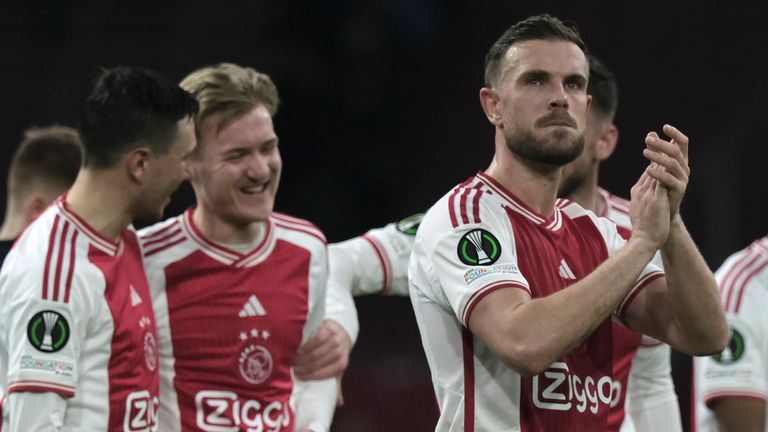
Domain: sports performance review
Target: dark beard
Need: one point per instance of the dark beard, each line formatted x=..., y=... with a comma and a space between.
x=526, y=146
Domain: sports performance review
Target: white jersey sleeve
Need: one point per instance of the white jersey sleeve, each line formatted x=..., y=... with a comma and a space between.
x=315, y=401
x=457, y=267
x=740, y=370
x=651, y=399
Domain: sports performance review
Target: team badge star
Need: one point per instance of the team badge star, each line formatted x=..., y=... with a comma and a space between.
x=243, y=336
x=265, y=334
x=255, y=333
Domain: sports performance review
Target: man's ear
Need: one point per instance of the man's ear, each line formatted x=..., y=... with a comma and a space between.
x=606, y=143
x=138, y=162
x=489, y=100
x=35, y=204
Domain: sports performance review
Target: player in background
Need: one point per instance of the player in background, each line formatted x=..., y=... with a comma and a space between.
x=731, y=388
x=236, y=287
x=514, y=291
x=77, y=339
x=43, y=167
x=377, y=262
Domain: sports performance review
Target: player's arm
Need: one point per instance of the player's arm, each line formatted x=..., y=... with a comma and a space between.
x=43, y=345
x=684, y=308
x=376, y=262
x=652, y=401
x=531, y=334
x=739, y=414
x=315, y=400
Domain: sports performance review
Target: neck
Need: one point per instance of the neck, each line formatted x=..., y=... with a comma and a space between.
x=586, y=194
x=219, y=230
x=99, y=198
x=535, y=184
x=13, y=225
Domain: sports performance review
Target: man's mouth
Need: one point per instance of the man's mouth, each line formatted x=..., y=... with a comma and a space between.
x=253, y=190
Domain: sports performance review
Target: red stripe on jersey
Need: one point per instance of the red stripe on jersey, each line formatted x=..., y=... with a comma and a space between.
x=259, y=249
x=290, y=219
x=156, y=240
x=51, y=243
x=198, y=236
x=305, y=231
x=750, y=276
x=164, y=247
x=385, y=268
x=642, y=283
x=484, y=291
x=729, y=283
x=59, y=260
x=300, y=225
x=467, y=341
x=151, y=237
x=451, y=208
x=476, y=202
x=41, y=386
x=70, y=272
x=98, y=239
x=463, y=205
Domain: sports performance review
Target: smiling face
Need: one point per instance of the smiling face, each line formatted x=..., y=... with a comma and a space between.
x=542, y=100
x=236, y=169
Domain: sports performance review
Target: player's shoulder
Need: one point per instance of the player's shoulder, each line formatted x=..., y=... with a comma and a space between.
x=297, y=230
x=743, y=277
x=161, y=238
x=467, y=204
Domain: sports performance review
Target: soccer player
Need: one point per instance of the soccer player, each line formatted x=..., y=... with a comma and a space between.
x=236, y=286
x=77, y=339
x=43, y=167
x=732, y=386
x=377, y=263
x=513, y=290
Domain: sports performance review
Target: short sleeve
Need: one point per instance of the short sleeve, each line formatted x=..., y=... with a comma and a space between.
x=467, y=263
x=740, y=370
x=43, y=336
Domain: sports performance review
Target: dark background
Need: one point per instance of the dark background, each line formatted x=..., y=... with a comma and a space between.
x=380, y=117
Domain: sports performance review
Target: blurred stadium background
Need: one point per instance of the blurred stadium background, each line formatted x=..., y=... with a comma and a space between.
x=380, y=117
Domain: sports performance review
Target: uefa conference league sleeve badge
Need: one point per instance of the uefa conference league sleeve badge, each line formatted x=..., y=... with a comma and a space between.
x=734, y=351
x=48, y=331
x=478, y=247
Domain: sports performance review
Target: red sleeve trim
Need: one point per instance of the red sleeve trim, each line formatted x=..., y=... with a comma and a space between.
x=484, y=291
x=709, y=398
x=41, y=387
x=639, y=286
x=386, y=270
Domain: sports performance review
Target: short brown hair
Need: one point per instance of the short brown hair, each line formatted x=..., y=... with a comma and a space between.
x=231, y=91
x=47, y=157
x=537, y=27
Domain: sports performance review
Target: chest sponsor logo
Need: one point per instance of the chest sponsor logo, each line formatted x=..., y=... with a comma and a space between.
x=223, y=411
x=558, y=389
x=141, y=412
x=478, y=247
x=252, y=308
x=734, y=351
x=48, y=331
x=255, y=364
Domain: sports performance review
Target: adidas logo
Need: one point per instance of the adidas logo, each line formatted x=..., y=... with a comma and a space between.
x=135, y=297
x=252, y=308
x=565, y=272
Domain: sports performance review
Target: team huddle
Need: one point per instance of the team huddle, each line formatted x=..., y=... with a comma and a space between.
x=544, y=302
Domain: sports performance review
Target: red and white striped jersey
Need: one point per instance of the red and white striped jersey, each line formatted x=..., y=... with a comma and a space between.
x=479, y=238
x=639, y=361
x=230, y=321
x=742, y=369
x=78, y=321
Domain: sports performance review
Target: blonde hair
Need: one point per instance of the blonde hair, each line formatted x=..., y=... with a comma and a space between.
x=231, y=91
